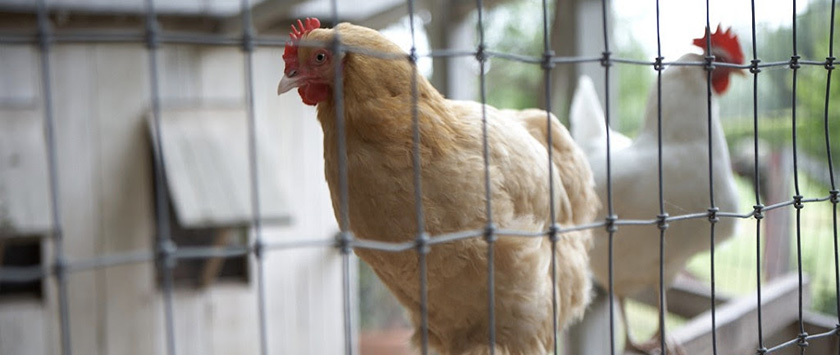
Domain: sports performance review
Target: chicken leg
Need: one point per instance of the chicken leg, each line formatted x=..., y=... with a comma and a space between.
x=653, y=345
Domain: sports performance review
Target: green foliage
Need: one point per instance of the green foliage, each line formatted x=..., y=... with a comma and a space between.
x=513, y=84
x=775, y=91
x=634, y=82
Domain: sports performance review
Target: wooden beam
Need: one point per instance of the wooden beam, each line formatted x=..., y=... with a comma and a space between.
x=213, y=266
x=816, y=323
x=263, y=15
x=687, y=297
x=777, y=223
x=736, y=321
x=381, y=19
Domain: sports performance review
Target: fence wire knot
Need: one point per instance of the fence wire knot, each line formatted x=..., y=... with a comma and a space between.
x=422, y=243
x=709, y=62
x=803, y=340
x=834, y=196
x=259, y=248
x=44, y=34
x=758, y=211
x=605, y=59
x=713, y=218
x=248, y=41
x=546, y=62
x=657, y=64
x=797, y=202
x=60, y=266
x=152, y=41
x=553, y=234
x=412, y=56
x=490, y=233
x=761, y=351
x=481, y=53
x=662, y=221
x=829, y=63
x=754, y=69
x=343, y=240
x=794, y=62
x=611, y=227
x=166, y=250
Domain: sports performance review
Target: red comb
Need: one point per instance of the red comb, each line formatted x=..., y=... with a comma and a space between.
x=290, y=55
x=725, y=40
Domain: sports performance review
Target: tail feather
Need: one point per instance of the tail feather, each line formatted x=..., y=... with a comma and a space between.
x=587, y=121
x=570, y=163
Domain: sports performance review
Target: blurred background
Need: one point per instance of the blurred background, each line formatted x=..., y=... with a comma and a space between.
x=96, y=79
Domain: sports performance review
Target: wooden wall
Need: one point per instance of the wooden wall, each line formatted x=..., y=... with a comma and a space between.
x=101, y=94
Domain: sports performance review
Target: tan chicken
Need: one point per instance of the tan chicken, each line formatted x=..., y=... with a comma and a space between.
x=378, y=117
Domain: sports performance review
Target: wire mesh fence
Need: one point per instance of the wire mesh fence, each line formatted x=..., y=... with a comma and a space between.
x=167, y=253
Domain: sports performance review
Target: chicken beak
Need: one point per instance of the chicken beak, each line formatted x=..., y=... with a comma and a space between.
x=287, y=83
x=739, y=72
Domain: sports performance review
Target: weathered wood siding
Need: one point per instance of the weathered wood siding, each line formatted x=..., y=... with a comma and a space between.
x=101, y=96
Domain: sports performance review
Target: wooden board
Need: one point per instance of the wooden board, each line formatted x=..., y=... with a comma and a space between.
x=24, y=179
x=736, y=321
x=205, y=152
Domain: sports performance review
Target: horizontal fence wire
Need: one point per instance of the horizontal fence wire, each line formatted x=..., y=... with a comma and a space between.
x=167, y=253
x=141, y=256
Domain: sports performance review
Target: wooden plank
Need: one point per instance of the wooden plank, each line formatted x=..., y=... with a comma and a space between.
x=24, y=179
x=206, y=157
x=25, y=328
x=686, y=297
x=736, y=321
x=19, y=77
x=816, y=323
x=75, y=99
x=122, y=188
x=24, y=199
x=391, y=14
x=263, y=15
x=777, y=223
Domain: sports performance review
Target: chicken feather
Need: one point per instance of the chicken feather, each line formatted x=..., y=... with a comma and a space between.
x=377, y=106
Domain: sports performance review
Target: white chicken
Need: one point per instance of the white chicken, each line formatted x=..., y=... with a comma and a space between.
x=685, y=174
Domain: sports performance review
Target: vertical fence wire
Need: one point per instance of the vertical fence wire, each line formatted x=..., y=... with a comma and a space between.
x=422, y=237
x=44, y=41
x=829, y=66
x=165, y=246
x=611, y=217
x=547, y=65
x=490, y=229
x=662, y=224
x=345, y=236
x=758, y=208
x=253, y=165
x=710, y=150
x=797, y=198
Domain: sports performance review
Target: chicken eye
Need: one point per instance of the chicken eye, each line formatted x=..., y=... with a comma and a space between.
x=320, y=57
